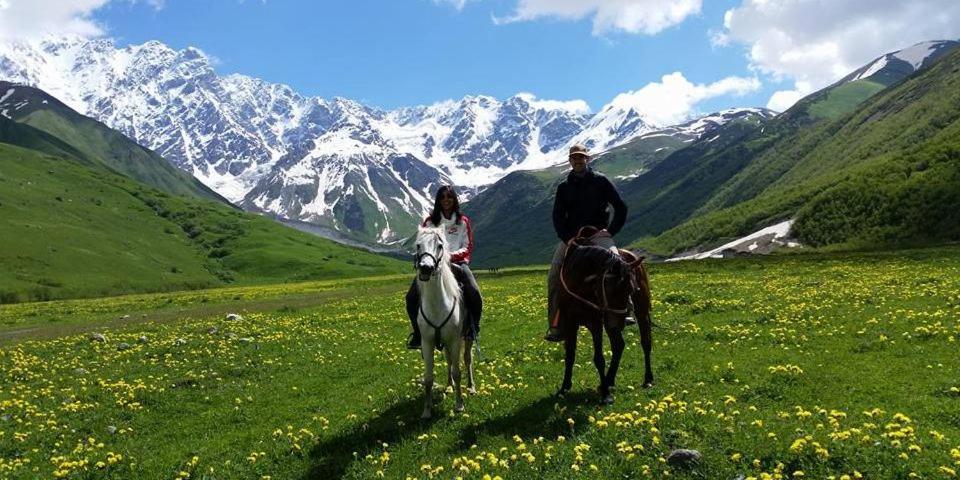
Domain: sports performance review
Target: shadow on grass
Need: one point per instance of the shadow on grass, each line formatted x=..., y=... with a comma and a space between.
x=333, y=456
x=541, y=418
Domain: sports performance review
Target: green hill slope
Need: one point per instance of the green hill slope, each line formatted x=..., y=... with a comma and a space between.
x=678, y=186
x=712, y=175
x=95, y=143
x=72, y=230
x=888, y=172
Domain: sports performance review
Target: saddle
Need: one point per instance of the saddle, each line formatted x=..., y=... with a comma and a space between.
x=587, y=236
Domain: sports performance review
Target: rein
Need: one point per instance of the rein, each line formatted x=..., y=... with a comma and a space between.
x=605, y=308
x=436, y=328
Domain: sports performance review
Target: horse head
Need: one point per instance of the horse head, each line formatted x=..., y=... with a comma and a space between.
x=431, y=253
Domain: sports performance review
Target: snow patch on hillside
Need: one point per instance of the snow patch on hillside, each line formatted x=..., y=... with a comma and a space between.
x=7, y=95
x=761, y=240
x=875, y=67
x=916, y=54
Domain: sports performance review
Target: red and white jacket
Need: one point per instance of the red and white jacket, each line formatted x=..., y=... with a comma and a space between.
x=458, y=237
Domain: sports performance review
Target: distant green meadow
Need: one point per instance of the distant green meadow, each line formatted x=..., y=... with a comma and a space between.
x=837, y=366
x=70, y=230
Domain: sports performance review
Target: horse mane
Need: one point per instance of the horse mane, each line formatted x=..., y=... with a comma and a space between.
x=449, y=282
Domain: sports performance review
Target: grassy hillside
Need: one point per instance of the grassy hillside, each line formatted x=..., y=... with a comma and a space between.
x=71, y=230
x=842, y=99
x=94, y=143
x=885, y=173
x=512, y=221
x=25, y=136
x=678, y=186
x=831, y=365
x=744, y=161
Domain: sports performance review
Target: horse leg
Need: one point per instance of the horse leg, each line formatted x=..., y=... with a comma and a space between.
x=453, y=359
x=468, y=365
x=426, y=349
x=646, y=341
x=616, y=346
x=449, y=376
x=570, y=355
x=598, y=361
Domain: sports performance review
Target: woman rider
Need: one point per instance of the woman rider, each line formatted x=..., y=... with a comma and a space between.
x=458, y=237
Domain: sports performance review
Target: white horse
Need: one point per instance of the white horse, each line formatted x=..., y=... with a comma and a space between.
x=441, y=313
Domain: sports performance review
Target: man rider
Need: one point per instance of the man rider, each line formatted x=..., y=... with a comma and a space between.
x=582, y=200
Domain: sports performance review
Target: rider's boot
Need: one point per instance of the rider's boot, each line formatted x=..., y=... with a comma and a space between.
x=553, y=332
x=413, y=343
x=631, y=314
x=553, y=335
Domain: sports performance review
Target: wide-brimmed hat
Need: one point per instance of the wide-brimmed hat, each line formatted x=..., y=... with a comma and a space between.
x=579, y=149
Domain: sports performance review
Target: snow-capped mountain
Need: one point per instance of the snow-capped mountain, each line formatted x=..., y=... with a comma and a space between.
x=890, y=68
x=704, y=126
x=366, y=172
x=615, y=123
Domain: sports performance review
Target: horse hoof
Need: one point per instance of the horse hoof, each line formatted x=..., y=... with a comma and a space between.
x=426, y=416
x=458, y=408
x=472, y=391
x=606, y=399
x=647, y=384
x=562, y=391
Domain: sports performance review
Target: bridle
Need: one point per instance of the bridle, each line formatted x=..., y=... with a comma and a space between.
x=456, y=300
x=436, y=261
x=604, y=307
x=435, y=258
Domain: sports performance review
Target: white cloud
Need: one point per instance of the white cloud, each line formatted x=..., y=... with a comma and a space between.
x=784, y=99
x=572, y=106
x=630, y=16
x=29, y=19
x=815, y=43
x=458, y=4
x=673, y=99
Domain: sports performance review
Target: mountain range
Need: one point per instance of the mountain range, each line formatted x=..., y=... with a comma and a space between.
x=364, y=172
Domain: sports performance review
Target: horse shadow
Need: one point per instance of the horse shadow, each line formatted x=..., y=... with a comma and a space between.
x=333, y=456
x=537, y=419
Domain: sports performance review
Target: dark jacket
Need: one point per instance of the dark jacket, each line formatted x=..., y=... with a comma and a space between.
x=582, y=201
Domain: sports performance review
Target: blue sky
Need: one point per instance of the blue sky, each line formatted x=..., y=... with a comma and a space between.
x=676, y=58
x=392, y=53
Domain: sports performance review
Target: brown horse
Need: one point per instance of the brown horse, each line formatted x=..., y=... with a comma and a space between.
x=597, y=288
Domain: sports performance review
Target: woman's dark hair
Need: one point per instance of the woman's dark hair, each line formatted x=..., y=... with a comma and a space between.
x=437, y=212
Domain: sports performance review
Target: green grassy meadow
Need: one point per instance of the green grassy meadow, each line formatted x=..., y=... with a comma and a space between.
x=826, y=365
x=69, y=231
